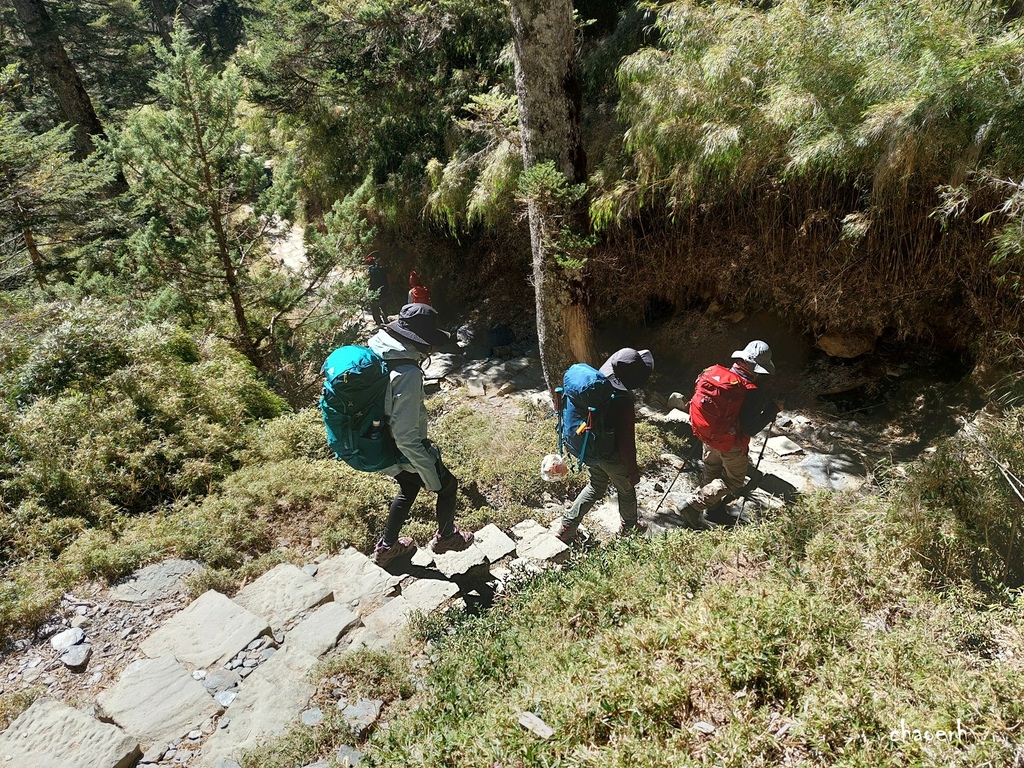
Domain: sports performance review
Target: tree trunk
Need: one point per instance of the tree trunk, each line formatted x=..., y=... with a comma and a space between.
x=35, y=257
x=161, y=14
x=549, y=111
x=72, y=98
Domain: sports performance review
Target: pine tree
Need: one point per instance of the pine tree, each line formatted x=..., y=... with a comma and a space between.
x=210, y=213
x=47, y=199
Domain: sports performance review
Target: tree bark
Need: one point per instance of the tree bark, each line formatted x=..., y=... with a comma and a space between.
x=161, y=13
x=549, y=111
x=72, y=98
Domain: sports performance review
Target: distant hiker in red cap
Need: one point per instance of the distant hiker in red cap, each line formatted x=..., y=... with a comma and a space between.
x=418, y=292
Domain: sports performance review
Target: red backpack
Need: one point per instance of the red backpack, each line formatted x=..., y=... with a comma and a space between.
x=715, y=408
x=420, y=294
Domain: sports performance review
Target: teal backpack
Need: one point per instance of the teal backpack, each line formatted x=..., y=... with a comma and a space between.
x=583, y=409
x=355, y=385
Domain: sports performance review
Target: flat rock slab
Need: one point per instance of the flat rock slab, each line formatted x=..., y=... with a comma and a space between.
x=423, y=557
x=390, y=619
x=270, y=699
x=494, y=543
x=538, y=543
x=362, y=638
x=429, y=594
x=461, y=563
x=155, y=582
x=50, y=734
x=837, y=472
x=282, y=593
x=210, y=630
x=157, y=701
x=320, y=631
x=355, y=577
x=783, y=446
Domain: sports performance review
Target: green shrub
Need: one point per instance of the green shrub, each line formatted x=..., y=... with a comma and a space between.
x=959, y=514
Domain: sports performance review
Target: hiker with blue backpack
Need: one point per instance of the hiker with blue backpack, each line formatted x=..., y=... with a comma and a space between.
x=597, y=425
x=376, y=421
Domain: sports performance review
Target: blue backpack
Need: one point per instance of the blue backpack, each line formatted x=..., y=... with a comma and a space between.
x=583, y=424
x=355, y=385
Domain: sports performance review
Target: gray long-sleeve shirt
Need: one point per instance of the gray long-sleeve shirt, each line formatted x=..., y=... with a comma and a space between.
x=405, y=410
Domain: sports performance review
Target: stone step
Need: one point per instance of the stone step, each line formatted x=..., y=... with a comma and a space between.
x=356, y=580
x=538, y=543
x=320, y=631
x=53, y=735
x=157, y=701
x=282, y=593
x=210, y=630
x=269, y=700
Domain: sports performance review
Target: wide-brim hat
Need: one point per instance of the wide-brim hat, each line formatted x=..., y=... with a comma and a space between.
x=758, y=354
x=418, y=322
x=629, y=368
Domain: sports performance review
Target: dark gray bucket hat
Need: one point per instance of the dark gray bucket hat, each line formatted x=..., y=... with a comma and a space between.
x=418, y=322
x=629, y=368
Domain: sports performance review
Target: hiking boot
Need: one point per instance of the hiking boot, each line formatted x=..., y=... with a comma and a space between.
x=633, y=528
x=455, y=542
x=695, y=519
x=567, y=534
x=404, y=547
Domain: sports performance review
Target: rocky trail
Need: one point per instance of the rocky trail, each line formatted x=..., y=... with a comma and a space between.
x=136, y=674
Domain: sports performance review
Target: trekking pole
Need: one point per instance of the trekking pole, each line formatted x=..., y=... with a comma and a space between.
x=678, y=473
x=763, y=444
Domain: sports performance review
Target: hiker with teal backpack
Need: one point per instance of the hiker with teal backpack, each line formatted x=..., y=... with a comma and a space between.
x=597, y=425
x=376, y=421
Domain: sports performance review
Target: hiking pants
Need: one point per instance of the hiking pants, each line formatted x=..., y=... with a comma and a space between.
x=409, y=485
x=610, y=471
x=730, y=466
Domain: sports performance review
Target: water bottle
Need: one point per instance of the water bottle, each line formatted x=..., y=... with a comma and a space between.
x=376, y=433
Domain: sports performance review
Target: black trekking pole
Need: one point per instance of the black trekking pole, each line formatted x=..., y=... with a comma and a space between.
x=669, y=490
x=765, y=442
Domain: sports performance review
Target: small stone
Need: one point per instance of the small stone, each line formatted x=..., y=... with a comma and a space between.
x=64, y=640
x=244, y=672
x=76, y=656
x=313, y=716
x=224, y=698
x=169, y=754
x=279, y=637
x=319, y=559
x=250, y=663
x=256, y=644
x=703, y=727
x=199, y=674
x=224, y=722
x=310, y=568
x=183, y=756
x=267, y=653
x=361, y=715
x=195, y=735
x=535, y=725
x=349, y=757
x=80, y=622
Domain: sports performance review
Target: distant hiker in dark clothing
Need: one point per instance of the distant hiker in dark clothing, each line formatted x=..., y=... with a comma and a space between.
x=627, y=369
x=418, y=292
x=378, y=287
x=403, y=344
x=726, y=410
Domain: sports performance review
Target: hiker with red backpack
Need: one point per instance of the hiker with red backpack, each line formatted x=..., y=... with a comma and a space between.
x=597, y=424
x=727, y=408
x=402, y=345
x=418, y=292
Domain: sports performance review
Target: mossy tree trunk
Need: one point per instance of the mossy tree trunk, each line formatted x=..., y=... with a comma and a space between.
x=549, y=109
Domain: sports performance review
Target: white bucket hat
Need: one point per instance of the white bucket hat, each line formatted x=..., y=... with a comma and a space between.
x=758, y=354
